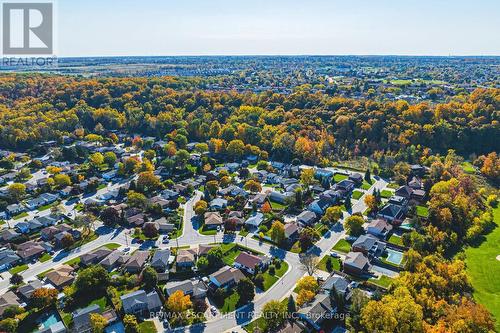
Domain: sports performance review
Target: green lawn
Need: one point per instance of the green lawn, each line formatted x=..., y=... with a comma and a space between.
x=277, y=205
x=269, y=280
x=147, y=327
x=468, y=168
x=45, y=207
x=20, y=216
x=18, y=269
x=483, y=269
x=207, y=232
x=73, y=261
x=366, y=185
x=230, y=303
x=383, y=281
x=259, y=324
x=357, y=194
x=422, y=211
x=45, y=257
x=339, y=177
x=335, y=263
x=394, y=239
x=342, y=246
x=111, y=246
x=243, y=232
x=386, y=194
x=282, y=270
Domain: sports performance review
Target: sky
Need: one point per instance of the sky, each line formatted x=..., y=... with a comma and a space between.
x=277, y=27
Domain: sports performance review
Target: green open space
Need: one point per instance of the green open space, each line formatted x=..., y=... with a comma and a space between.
x=342, y=246
x=483, y=269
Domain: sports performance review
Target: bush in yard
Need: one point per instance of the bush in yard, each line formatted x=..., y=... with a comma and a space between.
x=16, y=278
x=305, y=296
x=130, y=323
x=275, y=314
x=354, y=225
x=8, y=325
x=219, y=295
x=246, y=290
x=199, y=305
x=272, y=270
x=259, y=281
x=150, y=230
x=149, y=278
x=329, y=266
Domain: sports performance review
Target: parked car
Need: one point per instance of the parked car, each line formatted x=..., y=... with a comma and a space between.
x=213, y=310
x=334, y=254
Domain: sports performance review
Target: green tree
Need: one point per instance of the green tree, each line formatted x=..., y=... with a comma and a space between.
x=97, y=322
x=332, y=215
x=246, y=290
x=17, y=191
x=354, y=225
x=130, y=323
x=274, y=313
x=93, y=280
x=278, y=232
x=110, y=158
x=149, y=278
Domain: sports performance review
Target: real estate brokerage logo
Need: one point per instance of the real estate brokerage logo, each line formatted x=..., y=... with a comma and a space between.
x=28, y=28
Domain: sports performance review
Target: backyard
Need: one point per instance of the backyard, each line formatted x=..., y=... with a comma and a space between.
x=483, y=268
x=342, y=246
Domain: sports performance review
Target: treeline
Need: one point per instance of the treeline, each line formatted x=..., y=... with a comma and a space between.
x=37, y=107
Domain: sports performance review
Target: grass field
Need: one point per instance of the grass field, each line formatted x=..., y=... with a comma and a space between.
x=484, y=269
x=422, y=211
x=147, y=327
x=386, y=194
x=357, y=194
x=338, y=177
x=342, y=246
x=383, y=281
x=396, y=240
x=45, y=257
x=20, y=216
x=18, y=269
x=111, y=246
x=468, y=168
x=335, y=263
x=230, y=303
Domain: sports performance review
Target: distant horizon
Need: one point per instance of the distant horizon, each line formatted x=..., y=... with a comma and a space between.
x=95, y=28
x=283, y=55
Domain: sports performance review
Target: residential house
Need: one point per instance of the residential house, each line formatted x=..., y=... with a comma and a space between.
x=255, y=220
x=8, y=235
x=8, y=259
x=15, y=209
x=344, y=187
x=8, y=299
x=379, y=228
x=319, y=206
x=307, y=218
x=136, y=261
x=26, y=290
x=225, y=277
x=61, y=277
x=404, y=191
x=356, y=263
x=186, y=258
x=114, y=259
x=30, y=250
x=291, y=232
x=141, y=303
x=282, y=198
x=415, y=183
x=218, y=203
x=393, y=213
x=250, y=262
x=160, y=260
x=81, y=318
x=195, y=289
x=92, y=258
x=212, y=220
x=322, y=307
x=323, y=173
x=369, y=245
x=337, y=283
x=356, y=178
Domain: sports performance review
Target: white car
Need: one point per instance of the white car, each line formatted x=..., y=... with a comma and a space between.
x=334, y=254
x=213, y=310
